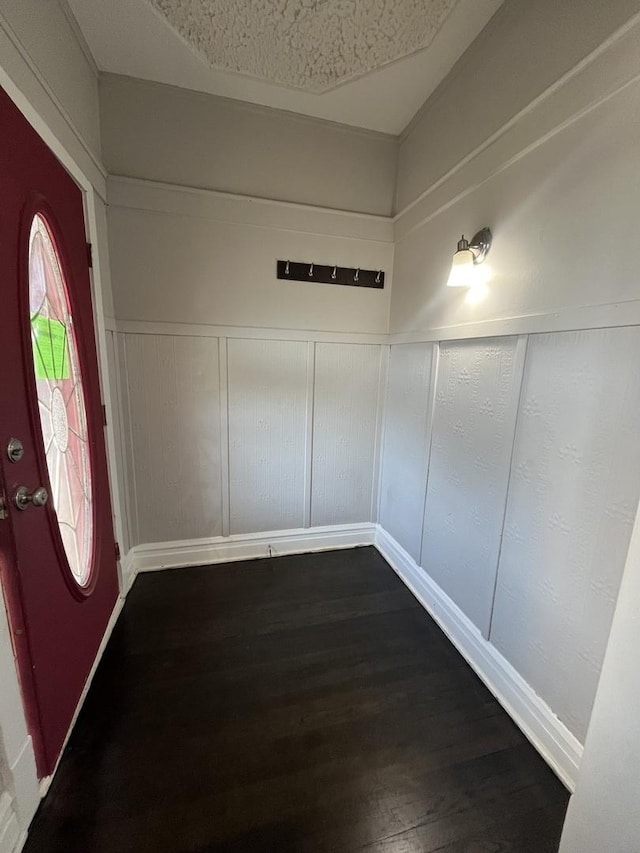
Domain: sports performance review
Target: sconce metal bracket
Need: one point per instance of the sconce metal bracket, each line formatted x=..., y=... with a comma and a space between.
x=480, y=245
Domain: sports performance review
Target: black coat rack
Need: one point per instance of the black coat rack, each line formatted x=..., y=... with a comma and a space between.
x=323, y=274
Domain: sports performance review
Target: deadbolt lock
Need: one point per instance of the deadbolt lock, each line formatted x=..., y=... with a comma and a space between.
x=15, y=450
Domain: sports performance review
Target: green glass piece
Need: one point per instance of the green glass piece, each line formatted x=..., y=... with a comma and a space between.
x=50, y=354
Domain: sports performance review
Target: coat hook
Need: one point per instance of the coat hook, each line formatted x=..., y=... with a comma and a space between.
x=357, y=275
x=311, y=271
x=286, y=269
x=378, y=276
x=334, y=273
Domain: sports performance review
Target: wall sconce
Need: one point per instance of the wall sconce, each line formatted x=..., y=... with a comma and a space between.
x=467, y=256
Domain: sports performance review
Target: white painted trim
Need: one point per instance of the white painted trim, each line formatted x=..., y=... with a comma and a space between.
x=431, y=407
x=513, y=414
x=25, y=786
x=34, y=97
x=182, y=200
x=117, y=413
x=609, y=68
x=308, y=439
x=133, y=523
x=79, y=35
x=21, y=842
x=555, y=743
x=381, y=421
x=144, y=327
x=606, y=316
x=225, y=481
x=9, y=827
x=128, y=570
x=108, y=388
x=250, y=546
x=45, y=783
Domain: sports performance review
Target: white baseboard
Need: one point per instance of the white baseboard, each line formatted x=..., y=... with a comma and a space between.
x=555, y=743
x=127, y=572
x=250, y=546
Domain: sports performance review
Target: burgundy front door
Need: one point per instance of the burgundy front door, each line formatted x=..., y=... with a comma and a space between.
x=57, y=551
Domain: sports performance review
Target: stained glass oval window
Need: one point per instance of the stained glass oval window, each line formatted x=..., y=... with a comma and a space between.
x=60, y=400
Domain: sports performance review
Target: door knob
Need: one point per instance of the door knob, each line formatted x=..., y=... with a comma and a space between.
x=23, y=497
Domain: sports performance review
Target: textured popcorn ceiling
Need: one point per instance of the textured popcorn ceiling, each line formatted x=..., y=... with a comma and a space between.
x=312, y=45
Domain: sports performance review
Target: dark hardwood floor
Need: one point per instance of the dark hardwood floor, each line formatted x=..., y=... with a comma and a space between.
x=300, y=704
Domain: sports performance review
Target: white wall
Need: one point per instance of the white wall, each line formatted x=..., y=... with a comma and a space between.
x=553, y=170
x=407, y=438
x=558, y=188
x=278, y=427
x=523, y=486
x=236, y=436
x=573, y=494
x=179, y=256
x=525, y=48
x=46, y=63
x=474, y=417
x=174, y=385
x=603, y=814
x=191, y=139
x=347, y=397
x=267, y=395
x=48, y=33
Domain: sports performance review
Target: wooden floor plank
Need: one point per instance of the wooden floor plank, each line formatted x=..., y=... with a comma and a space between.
x=301, y=703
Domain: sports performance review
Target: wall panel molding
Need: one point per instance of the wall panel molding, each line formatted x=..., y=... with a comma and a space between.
x=407, y=438
x=383, y=379
x=477, y=392
x=176, y=459
x=223, y=364
x=605, y=316
x=143, y=327
x=308, y=444
x=267, y=393
x=345, y=424
x=573, y=495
